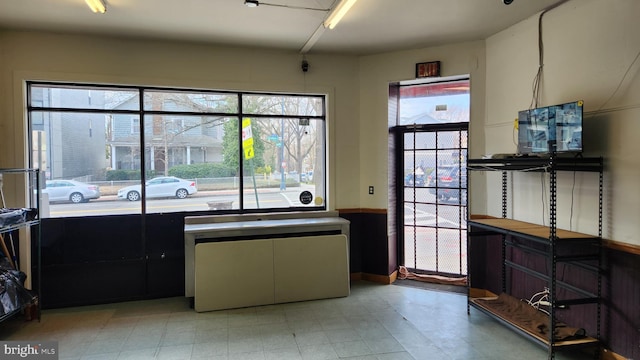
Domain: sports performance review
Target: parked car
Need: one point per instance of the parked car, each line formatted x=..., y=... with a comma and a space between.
x=413, y=179
x=446, y=181
x=306, y=176
x=70, y=190
x=164, y=186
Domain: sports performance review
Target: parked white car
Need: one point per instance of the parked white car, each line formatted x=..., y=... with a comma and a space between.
x=164, y=186
x=70, y=190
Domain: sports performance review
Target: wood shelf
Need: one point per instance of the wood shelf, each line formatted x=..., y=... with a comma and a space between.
x=585, y=341
x=547, y=243
x=525, y=229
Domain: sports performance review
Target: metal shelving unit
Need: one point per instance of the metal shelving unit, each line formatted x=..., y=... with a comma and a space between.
x=547, y=242
x=32, y=183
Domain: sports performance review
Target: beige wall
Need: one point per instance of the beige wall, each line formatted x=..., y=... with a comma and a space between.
x=376, y=73
x=42, y=56
x=589, y=46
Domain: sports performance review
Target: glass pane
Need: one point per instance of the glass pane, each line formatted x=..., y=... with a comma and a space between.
x=437, y=103
x=409, y=247
x=419, y=214
x=448, y=139
x=425, y=248
x=283, y=105
x=191, y=163
x=190, y=102
x=452, y=251
x=283, y=163
x=408, y=141
x=60, y=96
x=426, y=140
x=417, y=166
x=73, y=151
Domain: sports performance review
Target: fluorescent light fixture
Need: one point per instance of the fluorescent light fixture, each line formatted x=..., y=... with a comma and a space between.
x=338, y=12
x=97, y=6
x=251, y=3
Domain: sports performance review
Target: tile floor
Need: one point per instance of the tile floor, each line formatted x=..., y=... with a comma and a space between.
x=375, y=322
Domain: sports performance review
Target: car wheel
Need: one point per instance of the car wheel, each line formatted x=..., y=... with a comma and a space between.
x=181, y=193
x=76, y=198
x=133, y=196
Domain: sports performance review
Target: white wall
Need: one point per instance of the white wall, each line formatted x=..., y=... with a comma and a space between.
x=589, y=49
x=44, y=56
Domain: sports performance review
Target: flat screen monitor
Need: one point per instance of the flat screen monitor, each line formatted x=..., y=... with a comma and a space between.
x=555, y=128
x=568, y=127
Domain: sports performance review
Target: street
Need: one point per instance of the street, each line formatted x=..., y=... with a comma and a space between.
x=111, y=205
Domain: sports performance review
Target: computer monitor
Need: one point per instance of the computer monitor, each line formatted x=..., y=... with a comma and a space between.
x=548, y=129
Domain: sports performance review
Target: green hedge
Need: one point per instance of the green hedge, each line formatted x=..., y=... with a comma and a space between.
x=203, y=170
x=115, y=175
x=191, y=171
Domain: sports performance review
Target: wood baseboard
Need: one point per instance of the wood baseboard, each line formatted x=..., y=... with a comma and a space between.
x=381, y=279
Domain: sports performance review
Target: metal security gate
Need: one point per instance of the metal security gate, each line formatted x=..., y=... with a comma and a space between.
x=433, y=199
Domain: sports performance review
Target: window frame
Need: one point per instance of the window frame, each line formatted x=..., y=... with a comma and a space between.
x=138, y=115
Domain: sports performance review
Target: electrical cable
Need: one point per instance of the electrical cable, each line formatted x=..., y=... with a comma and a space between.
x=535, y=97
x=621, y=81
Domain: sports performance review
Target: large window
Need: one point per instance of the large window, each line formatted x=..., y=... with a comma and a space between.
x=193, y=149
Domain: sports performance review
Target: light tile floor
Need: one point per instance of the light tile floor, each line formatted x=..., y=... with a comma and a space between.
x=376, y=321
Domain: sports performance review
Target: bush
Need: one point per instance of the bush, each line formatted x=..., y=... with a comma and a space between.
x=202, y=170
x=118, y=175
x=115, y=175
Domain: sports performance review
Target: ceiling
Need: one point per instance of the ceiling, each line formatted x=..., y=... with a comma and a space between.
x=371, y=26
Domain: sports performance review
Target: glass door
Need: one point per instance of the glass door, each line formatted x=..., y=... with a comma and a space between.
x=434, y=201
x=433, y=121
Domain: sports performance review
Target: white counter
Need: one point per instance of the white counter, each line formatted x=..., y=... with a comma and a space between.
x=290, y=241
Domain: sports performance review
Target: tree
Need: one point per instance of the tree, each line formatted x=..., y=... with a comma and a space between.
x=230, y=144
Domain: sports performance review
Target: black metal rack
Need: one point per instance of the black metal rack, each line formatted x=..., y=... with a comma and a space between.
x=32, y=183
x=548, y=242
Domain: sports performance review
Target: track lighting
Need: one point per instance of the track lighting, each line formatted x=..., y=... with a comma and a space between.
x=251, y=3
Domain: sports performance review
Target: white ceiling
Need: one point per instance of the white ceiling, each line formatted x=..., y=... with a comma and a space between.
x=371, y=26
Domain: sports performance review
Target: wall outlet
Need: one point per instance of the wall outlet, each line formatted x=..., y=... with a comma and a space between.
x=370, y=190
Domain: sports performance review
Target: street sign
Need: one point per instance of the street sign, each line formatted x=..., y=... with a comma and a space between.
x=248, y=153
x=247, y=139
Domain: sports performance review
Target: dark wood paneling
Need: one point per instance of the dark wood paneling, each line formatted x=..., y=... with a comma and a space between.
x=92, y=283
x=95, y=260
x=485, y=263
x=620, y=313
x=165, y=253
x=355, y=240
x=369, y=245
x=91, y=239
